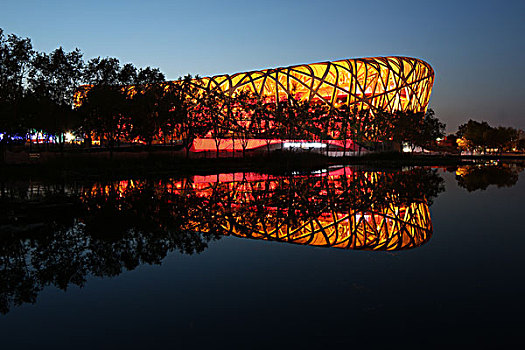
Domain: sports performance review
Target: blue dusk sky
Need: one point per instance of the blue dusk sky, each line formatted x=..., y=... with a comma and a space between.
x=477, y=48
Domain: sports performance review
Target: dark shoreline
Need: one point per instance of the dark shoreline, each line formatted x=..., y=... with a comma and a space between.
x=169, y=163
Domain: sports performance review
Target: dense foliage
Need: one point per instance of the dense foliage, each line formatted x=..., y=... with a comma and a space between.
x=476, y=136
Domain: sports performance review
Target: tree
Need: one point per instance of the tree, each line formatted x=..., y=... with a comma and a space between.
x=214, y=114
x=15, y=60
x=359, y=125
x=502, y=138
x=127, y=74
x=103, y=71
x=141, y=119
x=189, y=108
x=475, y=135
x=144, y=112
x=266, y=122
x=346, y=120
x=136, y=108
x=104, y=104
x=417, y=129
x=58, y=74
x=149, y=75
x=431, y=128
x=103, y=110
x=166, y=111
x=53, y=79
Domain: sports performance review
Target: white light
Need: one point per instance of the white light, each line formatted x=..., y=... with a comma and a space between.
x=69, y=137
x=304, y=145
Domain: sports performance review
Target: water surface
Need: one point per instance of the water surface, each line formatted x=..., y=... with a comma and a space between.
x=412, y=257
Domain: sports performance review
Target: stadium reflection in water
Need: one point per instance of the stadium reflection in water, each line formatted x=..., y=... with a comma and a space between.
x=60, y=234
x=339, y=208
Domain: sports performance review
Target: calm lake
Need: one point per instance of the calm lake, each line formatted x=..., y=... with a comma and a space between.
x=413, y=257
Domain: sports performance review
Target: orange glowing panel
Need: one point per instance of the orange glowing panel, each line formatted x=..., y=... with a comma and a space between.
x=385, y=83
x=378, y=83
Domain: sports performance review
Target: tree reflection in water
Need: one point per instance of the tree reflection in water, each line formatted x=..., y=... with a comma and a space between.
x=60, y=234
x=480, y=176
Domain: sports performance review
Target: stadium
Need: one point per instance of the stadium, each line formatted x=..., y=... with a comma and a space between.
x=352, y=86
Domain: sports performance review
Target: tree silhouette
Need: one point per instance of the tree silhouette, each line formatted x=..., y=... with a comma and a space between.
x=189, y=110
x=479, y=177
x=15, y=60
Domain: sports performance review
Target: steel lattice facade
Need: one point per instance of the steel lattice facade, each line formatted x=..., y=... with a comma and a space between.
x=344, y=87
x=380, y=83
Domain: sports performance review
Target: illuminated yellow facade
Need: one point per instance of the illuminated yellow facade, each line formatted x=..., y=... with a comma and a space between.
x=338, y=89
x=379, y=83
